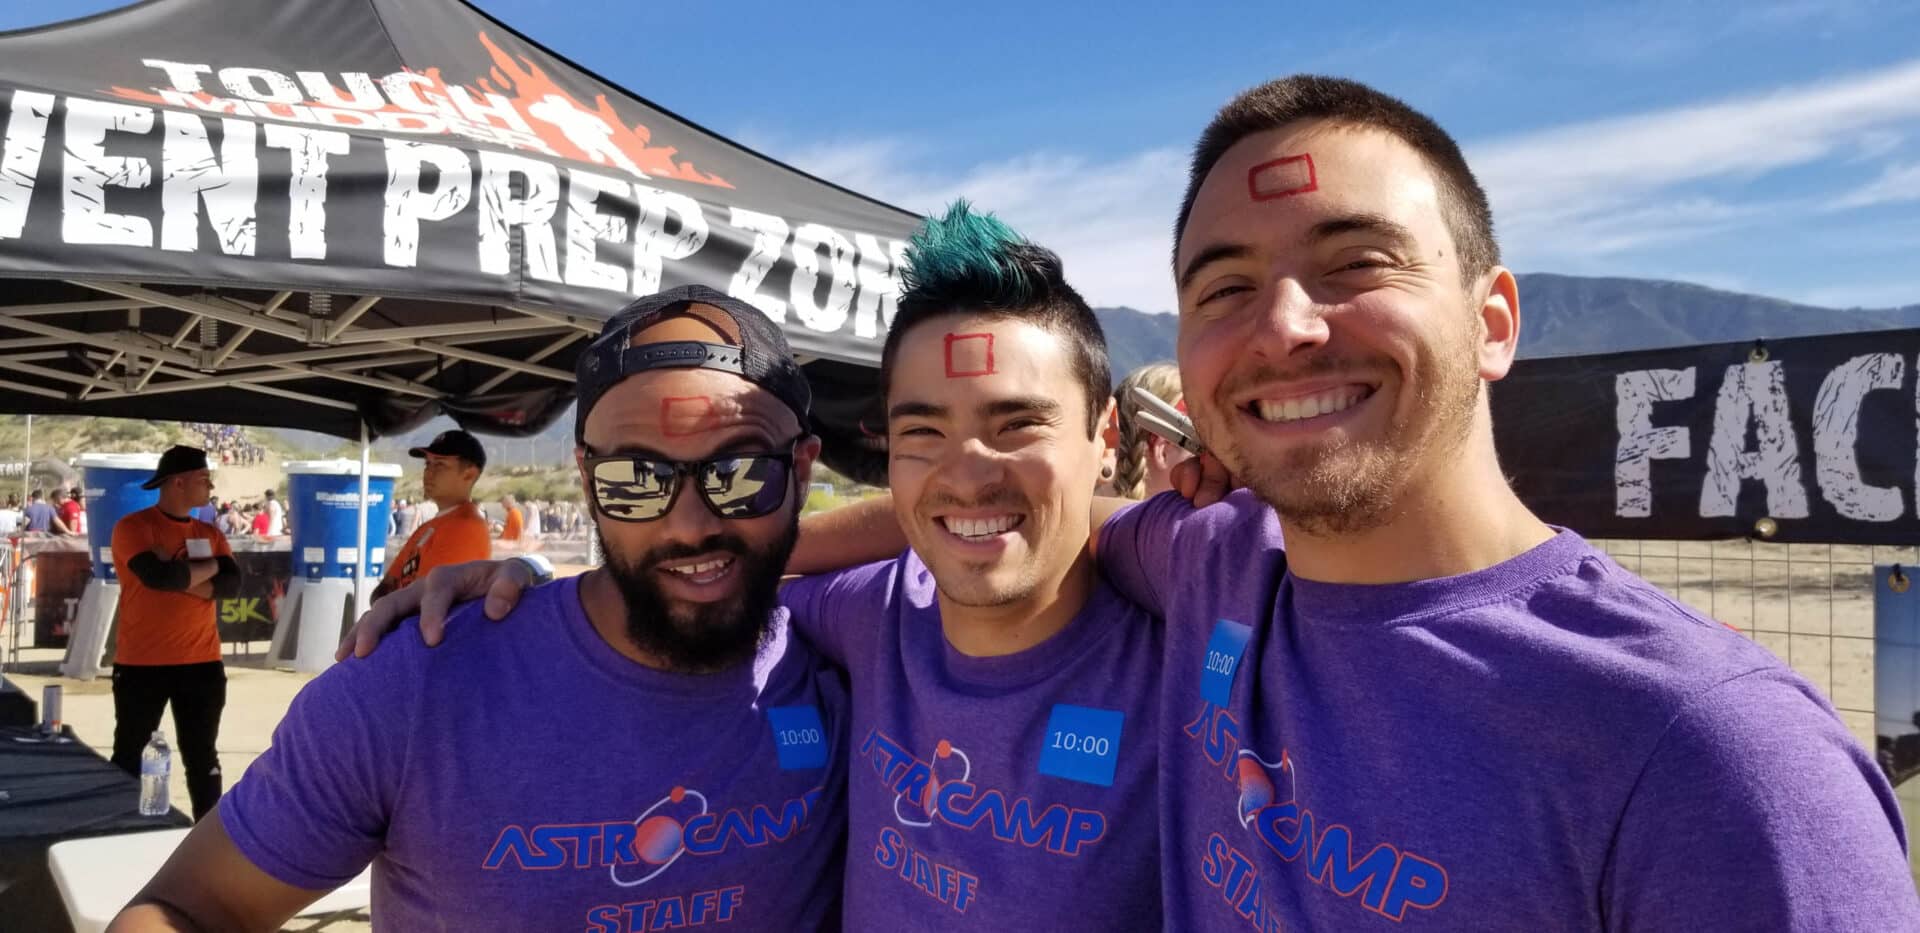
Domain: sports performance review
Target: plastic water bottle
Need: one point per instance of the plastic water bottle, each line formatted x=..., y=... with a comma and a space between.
x=156, y=764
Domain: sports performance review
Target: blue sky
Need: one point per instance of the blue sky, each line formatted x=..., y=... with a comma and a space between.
x=1769, y=147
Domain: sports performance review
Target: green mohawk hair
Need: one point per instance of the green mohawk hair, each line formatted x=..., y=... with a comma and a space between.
x=972, y=253
x=968, y=263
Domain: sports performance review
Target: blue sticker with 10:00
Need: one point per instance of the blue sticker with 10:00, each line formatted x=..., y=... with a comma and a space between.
x=1224, y=652
x=799, y=740
x=1082, y=744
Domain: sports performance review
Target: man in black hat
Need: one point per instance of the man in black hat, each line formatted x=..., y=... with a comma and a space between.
x=459, y=532
x=476, y=778
x=172, y=567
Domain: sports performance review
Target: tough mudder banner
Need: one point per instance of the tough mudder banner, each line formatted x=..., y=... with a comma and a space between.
x=409, y=148
x=1809, y=439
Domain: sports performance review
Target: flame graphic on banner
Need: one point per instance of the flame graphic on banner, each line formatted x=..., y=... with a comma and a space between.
x=557, y=122
x=596, y=135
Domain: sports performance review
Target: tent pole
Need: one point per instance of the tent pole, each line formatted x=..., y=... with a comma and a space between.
x=26, y=475
x=360, y=590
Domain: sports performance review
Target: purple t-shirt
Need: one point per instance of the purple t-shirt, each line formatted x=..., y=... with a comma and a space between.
x=1002, y=793
x=527, y=776
x=1548, y=744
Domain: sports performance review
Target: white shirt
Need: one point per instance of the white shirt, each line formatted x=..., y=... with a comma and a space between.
x=9, y=521
x=276, y=517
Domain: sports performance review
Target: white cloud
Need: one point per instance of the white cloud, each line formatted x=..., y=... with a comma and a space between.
x=1574, y=188
x=1108, y=219
x=1877, y=143
x=1564, y=197
x=1873, y=295
x=1897, y=183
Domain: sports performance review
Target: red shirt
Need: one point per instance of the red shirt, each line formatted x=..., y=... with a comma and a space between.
x=260, y=523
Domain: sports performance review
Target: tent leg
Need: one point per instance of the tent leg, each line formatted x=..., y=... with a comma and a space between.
x=361, y=587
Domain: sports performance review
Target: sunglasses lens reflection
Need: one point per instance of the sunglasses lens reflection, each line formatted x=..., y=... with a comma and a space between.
x=639, y=490
x=745, y=487
x=631, y=489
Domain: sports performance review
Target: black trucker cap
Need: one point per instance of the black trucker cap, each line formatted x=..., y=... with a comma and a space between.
x=762, y=356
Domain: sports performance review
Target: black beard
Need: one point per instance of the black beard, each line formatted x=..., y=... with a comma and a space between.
x=710, y=636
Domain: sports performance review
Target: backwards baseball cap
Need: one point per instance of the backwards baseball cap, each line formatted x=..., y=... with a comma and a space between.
x=178, y=459
x=454, y=444
x=761, y=356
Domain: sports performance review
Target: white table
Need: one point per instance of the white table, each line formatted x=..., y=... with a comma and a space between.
x=98, y=876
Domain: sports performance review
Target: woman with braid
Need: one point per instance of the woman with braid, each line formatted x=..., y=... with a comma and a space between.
x=1144, y=461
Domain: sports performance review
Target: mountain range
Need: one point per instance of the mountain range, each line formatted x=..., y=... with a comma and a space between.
x=1565, y=315
x=1561, y=315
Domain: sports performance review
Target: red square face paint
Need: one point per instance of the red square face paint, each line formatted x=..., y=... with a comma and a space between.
x=969, y=355
x=682, y=416
x=1282, y=177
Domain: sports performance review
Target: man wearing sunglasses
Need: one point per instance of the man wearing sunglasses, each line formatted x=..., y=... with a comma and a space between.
x=1004, y=699
x=650, y=749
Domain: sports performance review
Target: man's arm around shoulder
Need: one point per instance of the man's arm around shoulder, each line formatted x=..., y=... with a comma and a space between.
x=207, y=884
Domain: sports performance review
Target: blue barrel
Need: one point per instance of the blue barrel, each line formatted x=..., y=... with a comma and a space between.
x=112, y=492
x=323, y=499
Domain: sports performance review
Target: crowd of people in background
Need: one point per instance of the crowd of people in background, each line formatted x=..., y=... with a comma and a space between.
x=227, y=444
x=63, y=512
x=538, y=517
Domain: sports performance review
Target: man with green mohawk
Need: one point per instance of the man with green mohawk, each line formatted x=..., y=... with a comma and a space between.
x=1004, y=700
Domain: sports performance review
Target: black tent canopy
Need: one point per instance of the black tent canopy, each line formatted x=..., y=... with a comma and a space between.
x=348, y=215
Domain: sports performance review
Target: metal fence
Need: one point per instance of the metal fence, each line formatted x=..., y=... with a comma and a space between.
x=1811, y=604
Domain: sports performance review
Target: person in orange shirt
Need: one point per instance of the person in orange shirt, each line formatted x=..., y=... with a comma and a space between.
x=459, y=532
x=513, y=523
x=172, y=568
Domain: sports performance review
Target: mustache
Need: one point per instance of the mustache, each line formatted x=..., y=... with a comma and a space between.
x=1319, y=365
x=681, y=550
x=1002, y=496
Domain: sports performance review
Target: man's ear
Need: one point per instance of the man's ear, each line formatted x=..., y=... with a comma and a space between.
x=1499, y=325
x=580, y=465
x=805, y=454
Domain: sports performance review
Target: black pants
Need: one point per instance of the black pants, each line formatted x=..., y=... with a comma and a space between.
x=198, y=693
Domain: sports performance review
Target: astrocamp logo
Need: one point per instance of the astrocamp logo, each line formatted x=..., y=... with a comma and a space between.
x=516, y=104
x=634, y=852
x=943, y=790
x=1383, y=878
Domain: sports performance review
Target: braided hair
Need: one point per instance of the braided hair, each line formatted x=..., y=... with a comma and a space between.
x=1130, y=472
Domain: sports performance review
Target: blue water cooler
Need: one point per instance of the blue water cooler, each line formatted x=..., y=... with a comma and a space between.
x=332, y=578
x=112, y=484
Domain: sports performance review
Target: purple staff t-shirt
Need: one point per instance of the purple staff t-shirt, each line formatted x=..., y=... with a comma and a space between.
x=1547, y=744
x=996, y=793
x=527, y=776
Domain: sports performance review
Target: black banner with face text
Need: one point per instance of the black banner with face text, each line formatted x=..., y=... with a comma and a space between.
x=1809, y=439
